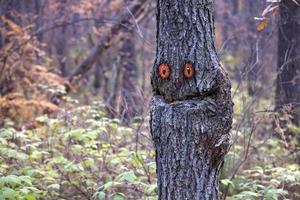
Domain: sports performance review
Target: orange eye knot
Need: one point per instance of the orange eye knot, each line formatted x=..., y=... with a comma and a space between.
x=164, y=71
x=188, y=70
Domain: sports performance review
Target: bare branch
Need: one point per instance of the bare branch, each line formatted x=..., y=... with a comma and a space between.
x=104, y=42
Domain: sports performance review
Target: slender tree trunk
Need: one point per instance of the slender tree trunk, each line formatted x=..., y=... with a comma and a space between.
x=39, y=9
x=191, y=113
x=288, y=78
x=98, y=75
x=252, y=66
x=112, y=90
x=60, y=42
x=130, y=105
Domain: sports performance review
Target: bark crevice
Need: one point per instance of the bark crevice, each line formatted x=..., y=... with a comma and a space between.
x=190, y=118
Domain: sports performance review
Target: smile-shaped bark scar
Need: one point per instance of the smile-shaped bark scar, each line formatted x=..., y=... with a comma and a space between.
x=188, y=70
x=164, y=71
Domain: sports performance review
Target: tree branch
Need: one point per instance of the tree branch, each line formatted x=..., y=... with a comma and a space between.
x=104, y=42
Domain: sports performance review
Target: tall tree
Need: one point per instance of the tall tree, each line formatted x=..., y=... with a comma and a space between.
x=130, y=104
x=60, y=41
x=288, y=78
x=191, y=111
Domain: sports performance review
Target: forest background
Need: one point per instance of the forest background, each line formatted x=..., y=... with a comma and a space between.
x=75, y=88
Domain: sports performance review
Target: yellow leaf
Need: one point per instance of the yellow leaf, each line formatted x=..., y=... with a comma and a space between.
x=15, y=27
x=8, y=46
x=28, y=47
x=262, y=25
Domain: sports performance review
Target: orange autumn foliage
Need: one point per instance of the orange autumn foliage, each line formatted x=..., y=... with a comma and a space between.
x=23, y=111
x=27, y=89
x=25, y=100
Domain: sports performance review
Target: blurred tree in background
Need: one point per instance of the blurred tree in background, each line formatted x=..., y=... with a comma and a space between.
x=75, y=88
x=288, y=77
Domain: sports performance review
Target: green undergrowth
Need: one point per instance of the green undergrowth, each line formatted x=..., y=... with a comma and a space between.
x=82, y=154
x=78, y=155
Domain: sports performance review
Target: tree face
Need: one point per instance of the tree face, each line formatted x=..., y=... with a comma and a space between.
x=184, y=39
x=191, y=111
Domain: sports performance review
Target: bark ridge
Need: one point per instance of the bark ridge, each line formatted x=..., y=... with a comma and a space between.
x=190, y=118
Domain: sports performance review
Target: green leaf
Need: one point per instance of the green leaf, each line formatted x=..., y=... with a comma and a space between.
x=8, y=193
x=119, y=196
x=108, y=185
x=60, y=160
x=136, y=160
x=24, y=191
x=150, y=189
x=89, y=162
x=77, y=134
x=106, y=146
x=2, y=182
x=26, y=179
x=30, y=197
x=6, y=132
x=93, y=134
x=247, y=195
x=127, y=176
x=12, y=180
x=151, y=165
x=101, y=195
x=227, y=182
x=53, y=186
x=22, y=156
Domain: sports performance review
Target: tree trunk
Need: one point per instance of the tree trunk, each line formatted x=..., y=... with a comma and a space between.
x=130, y=104
x=191, y=113
x=98, y=75
x=288, y=78
x=252, y=66
x=112, y=90
x=60, y=41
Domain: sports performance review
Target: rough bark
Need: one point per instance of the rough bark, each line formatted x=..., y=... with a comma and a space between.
x=288, y=78
x=190, y=117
